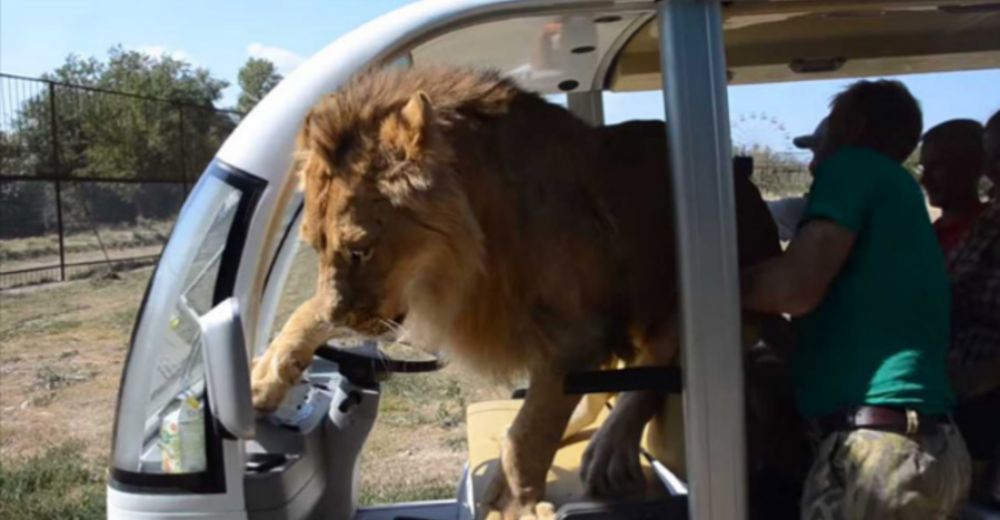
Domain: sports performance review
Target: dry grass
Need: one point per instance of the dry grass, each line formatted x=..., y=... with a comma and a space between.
x=63, y=346
x=45, y=248
x=421, y=425
x=57, y=485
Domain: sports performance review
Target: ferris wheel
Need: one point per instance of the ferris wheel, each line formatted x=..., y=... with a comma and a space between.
x=760, y=130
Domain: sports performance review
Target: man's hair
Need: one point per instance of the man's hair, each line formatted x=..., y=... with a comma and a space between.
x=962, y=138
x=991, y=144
x=993, y=124
x=892, y=116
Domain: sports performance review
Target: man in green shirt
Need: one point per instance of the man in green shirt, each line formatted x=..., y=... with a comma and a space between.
x=867, y=286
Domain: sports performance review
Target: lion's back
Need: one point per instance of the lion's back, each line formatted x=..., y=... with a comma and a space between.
x=635, y=183
x=637, y=161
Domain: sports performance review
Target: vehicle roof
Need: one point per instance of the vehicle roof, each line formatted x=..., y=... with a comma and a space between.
x=766, y=41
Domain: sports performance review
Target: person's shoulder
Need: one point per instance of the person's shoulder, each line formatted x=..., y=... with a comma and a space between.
x=988, y=225
x=853, y=165
x=856, y=157
x=991, y=212
x=870, y=167
x=843, y=160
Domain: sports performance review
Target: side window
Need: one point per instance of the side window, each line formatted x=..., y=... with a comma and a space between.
x=299, y=286
x=292, y=277
x=179, y=365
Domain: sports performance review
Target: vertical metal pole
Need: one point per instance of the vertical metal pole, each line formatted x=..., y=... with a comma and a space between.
x=588, y=106
x=182, y=149
x=694, y=82
x=57, y=173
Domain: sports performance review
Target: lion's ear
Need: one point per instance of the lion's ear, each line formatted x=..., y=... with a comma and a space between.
x=407, y=129
x=417, y=112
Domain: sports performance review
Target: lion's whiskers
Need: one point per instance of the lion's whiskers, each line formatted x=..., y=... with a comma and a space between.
x=396, y=333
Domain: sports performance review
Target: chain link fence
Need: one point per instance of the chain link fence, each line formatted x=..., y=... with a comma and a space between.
x=92, y=180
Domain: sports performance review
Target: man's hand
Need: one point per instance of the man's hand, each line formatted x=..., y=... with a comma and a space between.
x=796, y=281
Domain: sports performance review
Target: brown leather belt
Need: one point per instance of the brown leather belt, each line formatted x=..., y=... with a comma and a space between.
x=898, y=420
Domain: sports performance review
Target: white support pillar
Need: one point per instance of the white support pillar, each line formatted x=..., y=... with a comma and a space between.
x=694, y=82
x=588, y=106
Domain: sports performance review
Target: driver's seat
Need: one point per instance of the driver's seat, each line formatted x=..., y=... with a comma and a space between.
x=487, y=421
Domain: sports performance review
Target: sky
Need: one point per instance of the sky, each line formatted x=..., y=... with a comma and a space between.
x=37, y=35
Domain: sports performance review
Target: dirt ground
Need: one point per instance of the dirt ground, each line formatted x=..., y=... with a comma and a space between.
x=60, y=362
x=61, y=353
x=93, y=255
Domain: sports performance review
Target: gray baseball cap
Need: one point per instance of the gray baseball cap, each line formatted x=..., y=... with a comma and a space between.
x=812, y=141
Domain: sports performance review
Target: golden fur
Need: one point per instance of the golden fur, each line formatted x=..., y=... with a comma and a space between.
x=495, y=225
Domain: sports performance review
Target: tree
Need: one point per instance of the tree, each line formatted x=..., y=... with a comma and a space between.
x=163, y=127
x=256, y=78
x=26, y=208
x=137, y=135
x=775, y=173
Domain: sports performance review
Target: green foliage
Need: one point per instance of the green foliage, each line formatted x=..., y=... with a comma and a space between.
x=26, y=208
x=167, y=129
x=113, y=136
x=57, y=484
x=257, y=77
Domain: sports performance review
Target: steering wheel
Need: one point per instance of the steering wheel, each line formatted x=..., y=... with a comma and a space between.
x=362, y=365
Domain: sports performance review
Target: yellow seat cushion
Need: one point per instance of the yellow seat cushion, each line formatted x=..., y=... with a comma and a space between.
x=664, y=436
x=488, y=421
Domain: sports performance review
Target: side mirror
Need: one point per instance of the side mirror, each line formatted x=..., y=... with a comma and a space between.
x=227, y=369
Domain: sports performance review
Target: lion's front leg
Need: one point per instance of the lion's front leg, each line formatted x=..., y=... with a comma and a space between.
x=529, y=447
x=289, y=354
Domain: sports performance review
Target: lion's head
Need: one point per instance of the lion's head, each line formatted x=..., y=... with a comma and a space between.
x=392, y=226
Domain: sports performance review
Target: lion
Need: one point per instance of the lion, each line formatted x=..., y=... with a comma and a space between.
x=473, y=215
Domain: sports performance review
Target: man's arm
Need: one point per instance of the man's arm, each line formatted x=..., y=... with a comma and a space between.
x=796, y=281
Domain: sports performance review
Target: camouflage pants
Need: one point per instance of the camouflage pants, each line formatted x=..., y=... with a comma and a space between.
x=872, y=474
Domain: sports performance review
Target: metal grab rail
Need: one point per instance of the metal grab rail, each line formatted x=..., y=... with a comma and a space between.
x=694, y=83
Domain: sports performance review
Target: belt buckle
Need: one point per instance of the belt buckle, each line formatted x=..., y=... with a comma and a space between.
x=853, y=416
x=912, y=422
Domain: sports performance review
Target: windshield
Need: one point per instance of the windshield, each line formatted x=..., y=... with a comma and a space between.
x=180, y=364
x=162, y=409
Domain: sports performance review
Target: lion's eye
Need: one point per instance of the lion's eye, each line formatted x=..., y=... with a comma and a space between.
x=361, y=255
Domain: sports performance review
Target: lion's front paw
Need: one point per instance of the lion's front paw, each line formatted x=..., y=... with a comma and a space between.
x=544, y=511
x=266, y=388
x=523, y=499
x=511, y=508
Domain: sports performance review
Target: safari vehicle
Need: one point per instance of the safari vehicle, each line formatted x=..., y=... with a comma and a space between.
x=186, y=441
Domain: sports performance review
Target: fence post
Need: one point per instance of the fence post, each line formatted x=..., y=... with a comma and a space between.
x=58, y=174
x=182, y=149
